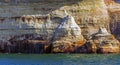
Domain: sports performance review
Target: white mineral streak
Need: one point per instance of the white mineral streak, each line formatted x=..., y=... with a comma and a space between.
x=35, y=24
x=67, y=27
x=102, y=32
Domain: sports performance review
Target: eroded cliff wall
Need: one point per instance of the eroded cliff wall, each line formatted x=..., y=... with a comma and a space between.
x=30, y=26
x=89, y=15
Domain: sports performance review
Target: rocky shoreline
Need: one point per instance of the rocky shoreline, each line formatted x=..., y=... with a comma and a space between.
x=71, y=28
x=66, y=37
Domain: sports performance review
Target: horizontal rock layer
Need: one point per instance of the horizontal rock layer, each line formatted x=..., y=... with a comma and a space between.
x=45, y=26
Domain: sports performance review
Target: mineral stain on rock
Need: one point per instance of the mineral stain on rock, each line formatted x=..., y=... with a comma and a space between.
x=67, y=36
x=79, y=26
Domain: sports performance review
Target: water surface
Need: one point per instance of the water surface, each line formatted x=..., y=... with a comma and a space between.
x=59, y=59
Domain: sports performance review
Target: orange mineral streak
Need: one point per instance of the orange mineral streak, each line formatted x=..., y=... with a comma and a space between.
x=109, y=2
x=107, y=49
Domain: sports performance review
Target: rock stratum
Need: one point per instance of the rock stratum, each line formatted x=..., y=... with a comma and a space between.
x=58, y=26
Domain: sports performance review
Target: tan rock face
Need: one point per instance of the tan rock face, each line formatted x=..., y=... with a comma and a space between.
x=67, y=36
x=45, y=26
x=37, y=30
x=67, y=44
x=104, y=43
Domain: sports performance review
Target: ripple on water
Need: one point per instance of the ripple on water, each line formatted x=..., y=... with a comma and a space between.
x=59, y=59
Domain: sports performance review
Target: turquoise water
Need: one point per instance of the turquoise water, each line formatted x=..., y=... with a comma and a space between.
x=59, y=59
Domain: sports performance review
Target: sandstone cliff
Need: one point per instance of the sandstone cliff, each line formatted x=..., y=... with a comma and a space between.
x=43, y=26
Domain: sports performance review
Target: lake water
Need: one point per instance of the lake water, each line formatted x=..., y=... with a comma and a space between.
x=59, y=59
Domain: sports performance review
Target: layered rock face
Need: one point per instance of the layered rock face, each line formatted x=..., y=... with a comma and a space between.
x=67, y=36
x=43, y=26
x=104, y=42
x=24, y=34
x=30, y=35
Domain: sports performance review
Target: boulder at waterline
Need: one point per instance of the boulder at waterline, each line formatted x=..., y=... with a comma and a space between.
x=104, y=42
